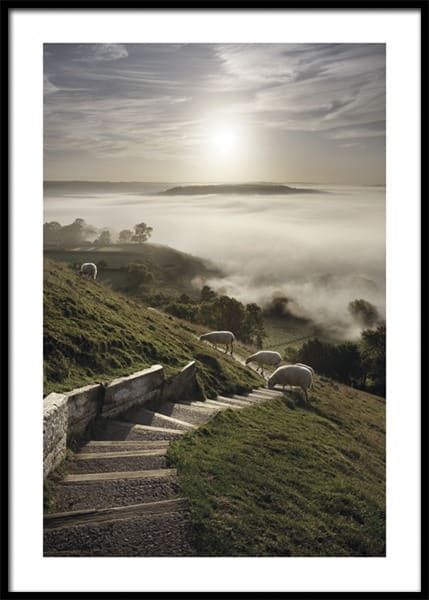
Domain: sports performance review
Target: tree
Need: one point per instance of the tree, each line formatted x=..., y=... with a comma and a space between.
x=104, y=239
x=77, y=232
x=207, y=294
x=373, y=351
x=364, y=312
x=230, y=314
x=52, y=233
x=125, y=236
x=182, y=310
x=140, y=273
x=142, y=233
x=253, y=326
x=348, y=367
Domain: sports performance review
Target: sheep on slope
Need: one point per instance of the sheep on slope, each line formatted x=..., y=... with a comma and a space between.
x=219, y=337
x=306, y=366
x=292, y=375
x=264, y=357
x=310, y=369
x=89, y=270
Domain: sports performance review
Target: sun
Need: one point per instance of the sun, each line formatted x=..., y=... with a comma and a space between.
x=224, y=141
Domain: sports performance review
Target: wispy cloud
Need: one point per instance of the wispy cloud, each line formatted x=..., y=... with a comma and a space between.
x=135, y=98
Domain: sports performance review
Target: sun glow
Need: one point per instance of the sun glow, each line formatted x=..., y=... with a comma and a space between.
x=224, y=141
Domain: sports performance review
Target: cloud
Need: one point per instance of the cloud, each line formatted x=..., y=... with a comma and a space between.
x=109, y=52
x=48, y=87
x=104, y=96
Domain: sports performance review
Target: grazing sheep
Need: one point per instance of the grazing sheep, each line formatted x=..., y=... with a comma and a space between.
x=293, y=375
x=264, y=357
x=89, y=270
x=219, y=337
x=309, y=368
x=306, y=366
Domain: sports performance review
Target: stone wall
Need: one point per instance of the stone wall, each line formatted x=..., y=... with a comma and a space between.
x=183, y=386
x=84, y=404
x=67, y=416
x=138, y=388
x=55, y=423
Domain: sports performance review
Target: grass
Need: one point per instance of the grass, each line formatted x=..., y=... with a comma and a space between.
x=288, y=335
x=93, y=334
x=284, y=479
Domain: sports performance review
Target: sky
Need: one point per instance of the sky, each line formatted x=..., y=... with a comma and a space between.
x=215, y=113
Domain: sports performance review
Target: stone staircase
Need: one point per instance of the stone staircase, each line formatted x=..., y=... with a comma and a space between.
x=119, y=498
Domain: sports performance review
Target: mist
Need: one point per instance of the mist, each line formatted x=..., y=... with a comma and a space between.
x=320, y=250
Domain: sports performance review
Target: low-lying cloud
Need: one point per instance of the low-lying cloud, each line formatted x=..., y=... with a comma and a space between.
x=321, y=251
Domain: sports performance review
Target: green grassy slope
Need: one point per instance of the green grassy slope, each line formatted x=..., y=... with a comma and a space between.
x=94, y=334
x=284, y=479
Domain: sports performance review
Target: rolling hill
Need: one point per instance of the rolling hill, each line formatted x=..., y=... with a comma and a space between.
x=280, y=478
x=92, y=333
x=171, y=271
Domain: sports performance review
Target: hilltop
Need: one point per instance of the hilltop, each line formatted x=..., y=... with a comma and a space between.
x=92, y=333
x=133, y=268
x=239, y=188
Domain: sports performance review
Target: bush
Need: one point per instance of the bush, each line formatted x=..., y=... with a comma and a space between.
x=182, y=311
x=140, y=273
x=361, y=365
x=342, y=362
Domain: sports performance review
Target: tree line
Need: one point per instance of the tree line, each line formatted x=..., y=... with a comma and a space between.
x=81, y=233
x=360, y=364
x=217, y=311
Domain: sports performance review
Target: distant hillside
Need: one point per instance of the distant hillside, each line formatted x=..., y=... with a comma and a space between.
x=288, y=479
x=240, y=188
x=167, y=269
x=93, y=334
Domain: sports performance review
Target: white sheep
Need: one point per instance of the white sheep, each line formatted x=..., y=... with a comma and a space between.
x=309, y=368
x=89, y=270
x=264, y=357
x=293, y=375
x=306, y=366
x=219, y=337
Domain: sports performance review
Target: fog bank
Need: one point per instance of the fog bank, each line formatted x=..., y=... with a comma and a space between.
x=321, y=250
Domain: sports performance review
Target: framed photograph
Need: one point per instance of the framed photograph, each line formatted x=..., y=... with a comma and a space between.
x=216, y=288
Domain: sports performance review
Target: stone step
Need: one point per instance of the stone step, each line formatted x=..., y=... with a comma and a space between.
x=124, y=446
x=95, y=477
x=99, y=515
x=143, y=416
x=245, y=398
x=102, y=462
x=217, y=404
x=258, y=396
x=209, y=405
x=102, y=492
x=112, y=430
x=269, y=392
x=225, y=403
x=184, y=412
x=162, y=533
x=234, y=401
